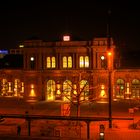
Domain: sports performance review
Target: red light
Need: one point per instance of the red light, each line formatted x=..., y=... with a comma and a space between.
x=117, y=87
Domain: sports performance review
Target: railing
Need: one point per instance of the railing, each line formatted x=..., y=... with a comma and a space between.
x=87, y=120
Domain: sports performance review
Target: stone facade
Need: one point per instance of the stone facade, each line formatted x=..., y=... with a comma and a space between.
x=62, y=70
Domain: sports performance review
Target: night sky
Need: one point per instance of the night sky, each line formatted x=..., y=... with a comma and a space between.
x=49, y=20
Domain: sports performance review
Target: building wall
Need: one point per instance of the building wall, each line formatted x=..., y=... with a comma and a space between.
x=36, y=81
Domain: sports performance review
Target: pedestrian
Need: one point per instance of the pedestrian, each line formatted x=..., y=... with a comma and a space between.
x=18, y=130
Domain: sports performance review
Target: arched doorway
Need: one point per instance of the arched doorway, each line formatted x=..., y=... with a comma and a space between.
x=51, y=88
x=119, y=88
x=135, y=88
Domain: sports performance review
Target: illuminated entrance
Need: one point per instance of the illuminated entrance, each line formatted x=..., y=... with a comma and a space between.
x=50, y=94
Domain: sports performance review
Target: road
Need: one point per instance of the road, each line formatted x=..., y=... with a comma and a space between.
x=40, y=129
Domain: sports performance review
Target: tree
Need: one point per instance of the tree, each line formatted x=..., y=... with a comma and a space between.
x=80, y=91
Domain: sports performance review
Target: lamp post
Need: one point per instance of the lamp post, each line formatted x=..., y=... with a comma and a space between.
x=109, y=89
x=109, y=67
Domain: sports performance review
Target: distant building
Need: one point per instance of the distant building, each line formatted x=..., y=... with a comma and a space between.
x=58, y=71
x=3, y=53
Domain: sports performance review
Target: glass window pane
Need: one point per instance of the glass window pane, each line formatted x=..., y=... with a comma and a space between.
x=64, y=62
x=53, y=62
x=86, y=61
x=48, y=62
x=50, y=90
x=81, y=61
x=69, y=62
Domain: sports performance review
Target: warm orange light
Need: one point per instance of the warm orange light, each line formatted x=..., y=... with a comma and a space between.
x=109, y=53
x=102, y=93
x=32, y=86
x=21, y=46
x=32, y=91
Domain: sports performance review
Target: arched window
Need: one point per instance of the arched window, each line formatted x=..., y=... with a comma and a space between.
x=81, y=61
x=120, y=88
x=10, y=88
x=135, y=88
x=51, y=63
x=48, y=62
x=4, y=89
x=84, y=61
x=17, y=87
x=67, y=62
x=51, y=86
x=22, y=87
x=64, y=62
x=67, y=87
x=84, y=90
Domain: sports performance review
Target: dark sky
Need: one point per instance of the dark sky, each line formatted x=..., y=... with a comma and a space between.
x=50, y=19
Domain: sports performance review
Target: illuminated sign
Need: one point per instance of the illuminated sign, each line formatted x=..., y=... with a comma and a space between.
x=66, y=38
x=4, y=51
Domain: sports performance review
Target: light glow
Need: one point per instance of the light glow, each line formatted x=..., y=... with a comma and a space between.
x=102, y=57
x=101, y=134
x=102, y=93
x=21, y=46
x=66, y=38
x=32, y=91
x=32, y=58
x=109, y=53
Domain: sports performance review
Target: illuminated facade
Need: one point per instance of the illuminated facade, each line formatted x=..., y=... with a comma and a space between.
x=59, y=71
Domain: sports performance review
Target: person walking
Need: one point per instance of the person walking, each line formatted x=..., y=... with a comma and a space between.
x=18, y=130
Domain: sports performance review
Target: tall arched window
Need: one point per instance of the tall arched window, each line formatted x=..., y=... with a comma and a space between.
x=67, y=87
x=84, y=61
x=64, y=62
x=17, y=87
x=84, y=90
x=48, y=62
x=81, y=62
x=67, y=62
x=51, y=63
x=120, y=88
x=22, y=87
x=135, y=88
x=10, y=88
x=51, y=86
x=4, y=89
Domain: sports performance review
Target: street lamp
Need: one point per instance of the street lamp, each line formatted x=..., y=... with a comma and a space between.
x=109, y=54
x=109, y=67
